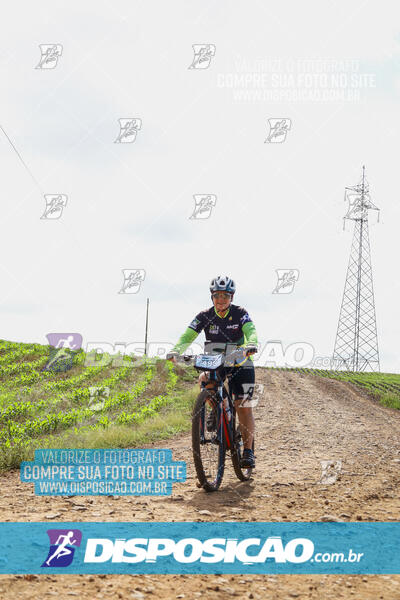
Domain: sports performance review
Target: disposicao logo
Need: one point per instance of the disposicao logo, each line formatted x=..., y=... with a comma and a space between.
x=190, y=550
x=62, y=542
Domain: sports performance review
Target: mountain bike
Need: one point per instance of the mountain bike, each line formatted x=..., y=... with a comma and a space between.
x=215, y=426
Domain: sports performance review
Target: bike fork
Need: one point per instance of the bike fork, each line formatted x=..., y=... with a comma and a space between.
x=226, y=420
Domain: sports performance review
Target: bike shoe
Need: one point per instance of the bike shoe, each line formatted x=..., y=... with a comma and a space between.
x=247, y=461
x=212, y=421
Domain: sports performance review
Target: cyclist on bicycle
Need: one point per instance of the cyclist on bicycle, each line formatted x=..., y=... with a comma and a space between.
x=227, y=323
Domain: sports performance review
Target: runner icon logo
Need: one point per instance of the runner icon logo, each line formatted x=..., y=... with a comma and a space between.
x=286, y=280
x=55, y=204
x=133, y=279
x=203, y=205
x=49, y=55
x=61, y=551
x=128, y=129
x=278, y=129
x=203, y=53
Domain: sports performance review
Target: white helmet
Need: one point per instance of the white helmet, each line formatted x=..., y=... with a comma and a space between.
x=223, y=284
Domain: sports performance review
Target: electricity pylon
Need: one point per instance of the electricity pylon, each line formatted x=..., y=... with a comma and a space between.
x=356, y=344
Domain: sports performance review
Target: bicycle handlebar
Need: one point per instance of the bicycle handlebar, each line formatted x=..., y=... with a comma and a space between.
x=188, y=357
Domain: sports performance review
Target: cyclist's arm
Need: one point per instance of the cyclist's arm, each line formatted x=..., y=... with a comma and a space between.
x=250, y=333
x=250, y=336
x=185, y=340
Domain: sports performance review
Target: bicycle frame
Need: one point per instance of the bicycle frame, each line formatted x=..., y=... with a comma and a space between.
x=225, y=432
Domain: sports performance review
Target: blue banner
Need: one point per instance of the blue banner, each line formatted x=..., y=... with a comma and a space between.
x=213, y=548
x=103, y=472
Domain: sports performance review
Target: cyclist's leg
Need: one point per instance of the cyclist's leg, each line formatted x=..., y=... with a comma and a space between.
x=204, y=381
x=242, y=383
x=204, y=377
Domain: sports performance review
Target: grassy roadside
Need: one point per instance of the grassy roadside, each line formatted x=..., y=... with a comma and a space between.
x=172, y=419
x=389, y=399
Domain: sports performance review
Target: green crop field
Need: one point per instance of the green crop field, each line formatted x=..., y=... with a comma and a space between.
x=87, y=406
x=111, y=403
x=384, y=386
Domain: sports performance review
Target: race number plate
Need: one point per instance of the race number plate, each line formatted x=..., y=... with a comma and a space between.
x=207, y=361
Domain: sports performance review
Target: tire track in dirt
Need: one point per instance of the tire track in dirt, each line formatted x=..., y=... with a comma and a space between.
x=300, y=420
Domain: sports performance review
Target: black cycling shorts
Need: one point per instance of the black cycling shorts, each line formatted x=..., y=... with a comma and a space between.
x=242, y=380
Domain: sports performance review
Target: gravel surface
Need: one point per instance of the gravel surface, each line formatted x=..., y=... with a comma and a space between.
x=301, y=420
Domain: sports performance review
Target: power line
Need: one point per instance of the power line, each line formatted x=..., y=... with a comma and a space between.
x=22, y=160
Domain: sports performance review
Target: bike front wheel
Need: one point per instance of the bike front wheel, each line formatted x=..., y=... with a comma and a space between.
x=208, y=450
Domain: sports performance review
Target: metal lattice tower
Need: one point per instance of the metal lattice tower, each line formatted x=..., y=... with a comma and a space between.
x=356, y=345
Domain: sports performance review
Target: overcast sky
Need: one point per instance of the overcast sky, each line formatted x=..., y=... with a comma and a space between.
x=203, y=131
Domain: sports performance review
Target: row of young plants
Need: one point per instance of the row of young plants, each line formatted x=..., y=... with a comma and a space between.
x=155, y=404
x=15, y=432
x=37, y=375
x=141, y=413
x=12, y=394
x=77, y=395
x=19, y=378
x=71, y=382
x=6, y=346
x=21, y=408
x=7, y=396
x=15, y=355
x=34, y=366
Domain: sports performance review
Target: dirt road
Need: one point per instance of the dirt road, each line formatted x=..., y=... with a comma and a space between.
x=301, y=420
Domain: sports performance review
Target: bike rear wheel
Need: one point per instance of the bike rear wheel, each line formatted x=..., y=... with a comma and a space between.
x=208, y=451
x=242, y=473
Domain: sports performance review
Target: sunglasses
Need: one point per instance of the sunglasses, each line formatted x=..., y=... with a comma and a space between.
x=222, y=295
